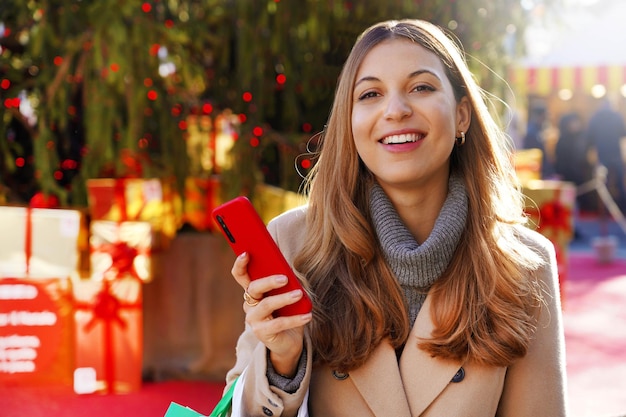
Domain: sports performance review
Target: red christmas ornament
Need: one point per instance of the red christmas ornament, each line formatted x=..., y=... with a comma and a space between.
x=41, y=200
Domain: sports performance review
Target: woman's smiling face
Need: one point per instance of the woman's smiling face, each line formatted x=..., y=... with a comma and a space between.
x=405, y=116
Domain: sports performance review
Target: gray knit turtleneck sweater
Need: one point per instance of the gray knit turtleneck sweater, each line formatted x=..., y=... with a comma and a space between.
x=418, y=266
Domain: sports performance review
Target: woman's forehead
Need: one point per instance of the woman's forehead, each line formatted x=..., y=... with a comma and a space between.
x=399, y=54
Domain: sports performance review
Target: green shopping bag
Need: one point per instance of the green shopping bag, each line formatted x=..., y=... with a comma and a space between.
x=221, y=409
x=177, y=410
x=223, y=406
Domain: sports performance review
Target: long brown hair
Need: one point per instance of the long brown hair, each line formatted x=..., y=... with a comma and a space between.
x=483, y=305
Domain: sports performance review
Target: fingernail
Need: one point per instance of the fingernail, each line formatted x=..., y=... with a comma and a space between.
x=296, y=294
x=281, y=279
x=242, y=255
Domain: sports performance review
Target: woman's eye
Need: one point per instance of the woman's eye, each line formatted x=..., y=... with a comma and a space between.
x=367, y=95
x=424, y=87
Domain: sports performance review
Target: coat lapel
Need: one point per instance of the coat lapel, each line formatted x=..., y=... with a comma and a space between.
x=423, y=376
x=380, y=384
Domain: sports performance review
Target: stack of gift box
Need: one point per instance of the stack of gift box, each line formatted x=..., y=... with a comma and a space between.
x=71, y=285
x=39, y=259
x=71, y=279
x=550, y=206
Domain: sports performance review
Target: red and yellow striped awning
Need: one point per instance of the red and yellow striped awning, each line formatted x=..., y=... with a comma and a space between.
x=547, y=80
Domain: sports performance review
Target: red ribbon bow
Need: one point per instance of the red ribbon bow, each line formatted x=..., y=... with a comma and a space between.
x=123, y=258
x=554, y=215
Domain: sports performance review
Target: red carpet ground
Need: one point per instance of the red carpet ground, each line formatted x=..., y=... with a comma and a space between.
x=595, y=332
x=595, y=325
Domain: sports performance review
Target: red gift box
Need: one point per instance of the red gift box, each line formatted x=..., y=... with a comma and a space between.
x=109, y=336
x=150, y=200
x=121, y=199
x=38, y=254
x=36, y=331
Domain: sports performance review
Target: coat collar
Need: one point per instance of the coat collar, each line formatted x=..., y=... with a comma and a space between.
x=418, y=380
x=380, y=373
x=424, y=376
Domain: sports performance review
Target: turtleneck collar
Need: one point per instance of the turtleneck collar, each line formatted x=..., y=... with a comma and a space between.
x=418, y=266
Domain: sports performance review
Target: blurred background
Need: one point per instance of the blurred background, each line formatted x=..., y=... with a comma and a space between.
x=123, y=122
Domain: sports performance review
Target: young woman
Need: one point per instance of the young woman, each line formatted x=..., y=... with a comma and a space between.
x=431, y=297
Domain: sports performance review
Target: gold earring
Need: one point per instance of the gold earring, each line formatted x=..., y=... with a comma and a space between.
x=460, y=140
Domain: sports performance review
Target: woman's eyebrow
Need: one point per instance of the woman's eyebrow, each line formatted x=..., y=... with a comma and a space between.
x=366, y=78
x=423, y=71
x=411, y=75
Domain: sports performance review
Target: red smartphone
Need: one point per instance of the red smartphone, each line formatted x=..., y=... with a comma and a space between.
x=245, y=231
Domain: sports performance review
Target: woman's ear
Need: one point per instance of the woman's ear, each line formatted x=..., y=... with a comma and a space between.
x=463, y=114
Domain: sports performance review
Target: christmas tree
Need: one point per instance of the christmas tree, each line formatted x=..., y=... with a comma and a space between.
x=106, y=88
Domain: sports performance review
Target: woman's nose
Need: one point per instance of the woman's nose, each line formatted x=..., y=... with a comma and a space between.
x=397, y=107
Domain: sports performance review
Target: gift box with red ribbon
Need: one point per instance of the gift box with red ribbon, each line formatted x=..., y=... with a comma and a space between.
x=151, y=200
x=39, y=254
x=41, y=243
x=120, y=250
x=108, y=335
x=36, y=331
x=550, y=207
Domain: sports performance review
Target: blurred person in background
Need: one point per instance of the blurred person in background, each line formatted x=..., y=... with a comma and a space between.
x=572, y=160
x=534, y=137
x=606, y=134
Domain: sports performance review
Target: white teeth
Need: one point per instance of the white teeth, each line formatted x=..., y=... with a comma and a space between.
x=410, y=137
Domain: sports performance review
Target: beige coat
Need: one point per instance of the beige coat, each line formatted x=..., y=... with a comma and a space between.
x=419, y=385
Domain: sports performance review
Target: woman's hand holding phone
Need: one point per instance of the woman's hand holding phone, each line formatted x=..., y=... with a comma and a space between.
x=276, y=305
x=283, y=335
